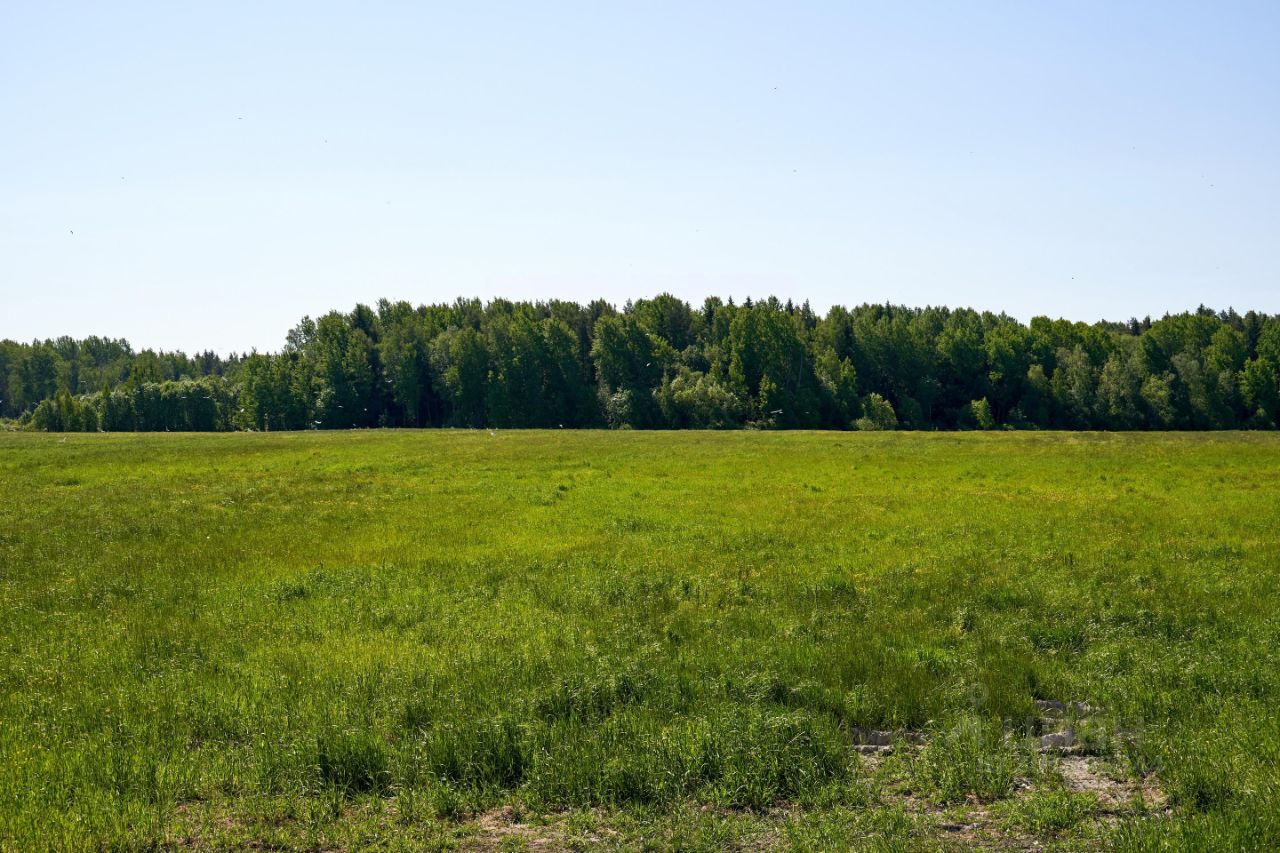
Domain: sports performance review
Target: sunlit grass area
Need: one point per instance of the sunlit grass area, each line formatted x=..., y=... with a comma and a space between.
x=624, y=639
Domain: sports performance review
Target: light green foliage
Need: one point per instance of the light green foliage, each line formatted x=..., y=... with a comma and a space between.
x=1260, y=387
x=1053, y=811
x=981, y=413
x=972, y=757
x=877, y=414
x=697, y=401
x=839, y=380
x=354, y=640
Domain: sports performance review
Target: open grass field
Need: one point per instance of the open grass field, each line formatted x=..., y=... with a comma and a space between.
x=586, y=640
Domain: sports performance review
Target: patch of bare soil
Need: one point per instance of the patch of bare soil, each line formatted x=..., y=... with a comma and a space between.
x=505, y=829
x=1083, y=774
x=986, y=826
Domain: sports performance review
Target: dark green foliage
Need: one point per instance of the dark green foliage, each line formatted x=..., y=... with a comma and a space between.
x=659, y=364
x=64, y=413
x=743, y=758
x=353, y=763
x=205, y=405
x=488, y=753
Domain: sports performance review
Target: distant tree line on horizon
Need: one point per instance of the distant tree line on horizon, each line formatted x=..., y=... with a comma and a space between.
x=661, y=364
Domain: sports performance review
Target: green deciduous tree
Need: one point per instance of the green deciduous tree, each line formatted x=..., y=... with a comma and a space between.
x=661, y=363
x=1260, y=390
x=877, y=414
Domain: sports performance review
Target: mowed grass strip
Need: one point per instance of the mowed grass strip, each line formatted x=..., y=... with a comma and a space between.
x=672, y=639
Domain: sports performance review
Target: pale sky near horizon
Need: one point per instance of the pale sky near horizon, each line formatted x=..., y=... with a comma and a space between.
x=199, y=176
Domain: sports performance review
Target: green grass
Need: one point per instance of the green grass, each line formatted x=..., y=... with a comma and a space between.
x=379, y=639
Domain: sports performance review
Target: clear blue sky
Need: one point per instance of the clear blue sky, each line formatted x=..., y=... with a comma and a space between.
x=229, y=167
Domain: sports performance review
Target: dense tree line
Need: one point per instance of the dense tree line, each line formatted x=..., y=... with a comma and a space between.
x=661, y=363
